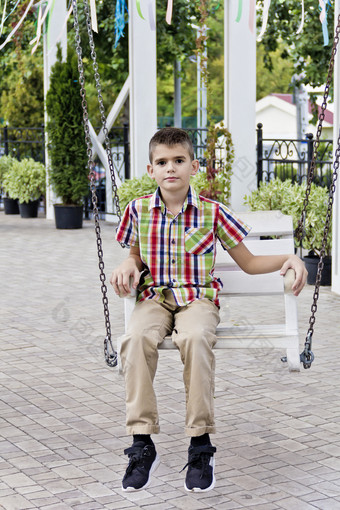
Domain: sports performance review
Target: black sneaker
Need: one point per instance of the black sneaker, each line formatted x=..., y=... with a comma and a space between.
x=143, y=461
x=201, y=463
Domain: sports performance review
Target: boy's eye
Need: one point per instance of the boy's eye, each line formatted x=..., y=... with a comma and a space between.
x=179, y=160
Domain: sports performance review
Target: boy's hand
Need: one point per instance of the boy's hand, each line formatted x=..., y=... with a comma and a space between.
x=120, y=278
x=301, y=273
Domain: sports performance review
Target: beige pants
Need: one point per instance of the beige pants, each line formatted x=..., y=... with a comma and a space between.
x=193, y=330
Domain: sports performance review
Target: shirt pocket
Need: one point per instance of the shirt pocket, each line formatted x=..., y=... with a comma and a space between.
x=199, y=241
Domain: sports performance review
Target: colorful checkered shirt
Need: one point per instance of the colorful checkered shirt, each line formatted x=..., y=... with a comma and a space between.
x=179, y=252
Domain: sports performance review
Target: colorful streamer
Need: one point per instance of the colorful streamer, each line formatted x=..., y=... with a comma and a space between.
x=94, y=22
x=265, y=19
x=324, y=6
x=239, y=11
x=18, y=25
x=252, y=10
x=41, y=19
x=139, y=10
x=152, y=20
x=121, y=7
x=3, y=17
x=39, y=25
x=302, y=18
x=168, y=16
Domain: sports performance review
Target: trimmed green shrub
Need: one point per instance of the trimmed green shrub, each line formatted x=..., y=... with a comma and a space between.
x=66, y=143
x=26, y=180
x=288, y=198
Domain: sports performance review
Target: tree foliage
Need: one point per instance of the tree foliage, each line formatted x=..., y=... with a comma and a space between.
x=306, y=50
x=67, y=148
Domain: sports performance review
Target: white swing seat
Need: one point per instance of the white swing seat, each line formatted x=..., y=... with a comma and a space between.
x=237, y=283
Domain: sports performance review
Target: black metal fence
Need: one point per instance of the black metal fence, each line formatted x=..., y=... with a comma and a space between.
x=23, y=142
x=291, y=159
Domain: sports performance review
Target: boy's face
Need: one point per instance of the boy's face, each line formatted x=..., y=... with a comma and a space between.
x=172, y=167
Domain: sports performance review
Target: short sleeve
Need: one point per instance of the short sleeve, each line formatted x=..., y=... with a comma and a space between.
x=127, y=231
x=230, y=229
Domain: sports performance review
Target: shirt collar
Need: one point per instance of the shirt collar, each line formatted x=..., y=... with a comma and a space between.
x=157, y=202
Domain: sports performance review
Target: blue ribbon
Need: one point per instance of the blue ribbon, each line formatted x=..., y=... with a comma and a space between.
x=121, y=7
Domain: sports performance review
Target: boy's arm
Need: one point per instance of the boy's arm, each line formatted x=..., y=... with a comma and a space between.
x=259, y=264
x=131, y=267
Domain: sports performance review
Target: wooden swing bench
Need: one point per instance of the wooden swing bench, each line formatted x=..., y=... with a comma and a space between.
x=237, y=283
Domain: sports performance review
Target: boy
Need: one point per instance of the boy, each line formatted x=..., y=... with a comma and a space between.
x=172, y=236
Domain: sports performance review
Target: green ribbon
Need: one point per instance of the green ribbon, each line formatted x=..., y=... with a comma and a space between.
x=239, y=12
x=139, y=10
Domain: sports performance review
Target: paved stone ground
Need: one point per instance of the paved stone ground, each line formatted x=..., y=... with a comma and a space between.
x=62, y=409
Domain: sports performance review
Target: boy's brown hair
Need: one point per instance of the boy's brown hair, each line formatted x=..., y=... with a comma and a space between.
x=171, y=136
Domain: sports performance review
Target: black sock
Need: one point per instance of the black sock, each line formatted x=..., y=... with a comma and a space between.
x=200, y=440
x=145, y=438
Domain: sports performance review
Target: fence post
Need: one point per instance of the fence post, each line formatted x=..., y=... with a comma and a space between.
x=6, y=140
x=126, y=151
x=259, y=153
x=310, y=146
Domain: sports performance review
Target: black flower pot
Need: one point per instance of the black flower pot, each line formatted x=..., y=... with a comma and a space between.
x=11, y=205
x=68, y=216
x=311, y=264
x=29, y=209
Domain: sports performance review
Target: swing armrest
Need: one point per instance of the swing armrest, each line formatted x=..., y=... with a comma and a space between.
x=288, y=280
x=132, y=293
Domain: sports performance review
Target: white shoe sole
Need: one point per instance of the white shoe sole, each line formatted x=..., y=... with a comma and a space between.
x=153, y=468
x=211, y=486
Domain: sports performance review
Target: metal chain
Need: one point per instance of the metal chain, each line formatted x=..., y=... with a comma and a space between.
x=310, y=176
x=307, y=356
x=110, y=357
x=102, y=109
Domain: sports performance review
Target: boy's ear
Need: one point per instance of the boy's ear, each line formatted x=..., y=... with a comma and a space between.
x=194, y=166
x=150, y=171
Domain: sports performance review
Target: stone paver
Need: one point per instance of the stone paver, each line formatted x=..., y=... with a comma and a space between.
x=62, y=409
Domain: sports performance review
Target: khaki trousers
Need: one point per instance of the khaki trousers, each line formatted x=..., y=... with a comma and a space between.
x=193, y=329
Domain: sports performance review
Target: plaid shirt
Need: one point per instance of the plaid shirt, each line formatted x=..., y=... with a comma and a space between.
x=178, y=252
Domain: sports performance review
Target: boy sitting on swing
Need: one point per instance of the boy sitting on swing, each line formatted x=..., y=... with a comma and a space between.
x=172, y=237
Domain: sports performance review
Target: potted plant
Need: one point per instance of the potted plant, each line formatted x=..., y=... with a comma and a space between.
x=66, y=144
x=26, y=181
x=289, y=198
x=10, y=204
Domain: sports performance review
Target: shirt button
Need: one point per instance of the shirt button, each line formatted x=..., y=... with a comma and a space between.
x=173, y=241
x=173, y=261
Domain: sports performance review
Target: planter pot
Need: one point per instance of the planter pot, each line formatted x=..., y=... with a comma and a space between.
x=312, y=267
x=29, y=209
x=11, y=206
x=68, y=216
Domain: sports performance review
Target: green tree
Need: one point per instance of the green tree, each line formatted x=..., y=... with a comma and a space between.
x=306, y=50
x=67, y=148
x=278, y=79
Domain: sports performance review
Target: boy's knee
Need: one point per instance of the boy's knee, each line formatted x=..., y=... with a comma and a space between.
x=195, y=339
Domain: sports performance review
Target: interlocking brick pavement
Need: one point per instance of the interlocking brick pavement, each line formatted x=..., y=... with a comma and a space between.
x=62, y=409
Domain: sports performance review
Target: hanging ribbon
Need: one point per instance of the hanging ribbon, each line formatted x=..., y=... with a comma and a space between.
x=3, y=17
x=265, y=19
x=302, y=18
x=39, y=25
x=168, y=16
x=94, y=22
x=16, y=28
x=62, y=30
x=152, y=20
x=324, y=6
x=139, y=10
x=41, y=20
x=120, y=20
x=239, y=11
x=252, y=9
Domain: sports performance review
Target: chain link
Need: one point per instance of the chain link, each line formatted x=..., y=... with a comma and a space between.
x=307, y=355
x=109, y=352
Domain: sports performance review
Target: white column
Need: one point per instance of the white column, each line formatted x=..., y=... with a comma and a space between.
x=240, y=98
x=143, y=89
x=336, y=206
x=54, y=34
